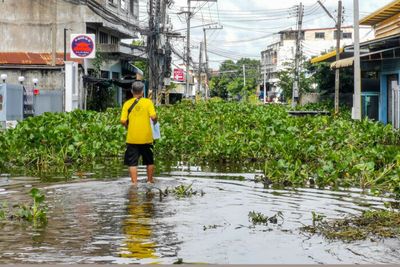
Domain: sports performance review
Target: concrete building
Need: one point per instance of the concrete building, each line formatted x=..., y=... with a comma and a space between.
x=32, y=37
x=281, y=52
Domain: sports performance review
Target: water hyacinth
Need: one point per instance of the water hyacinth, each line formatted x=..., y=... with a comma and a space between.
x=323, y=150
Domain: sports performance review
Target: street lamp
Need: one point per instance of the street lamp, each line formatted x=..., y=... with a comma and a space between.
x=21, y=79
x=4, y=77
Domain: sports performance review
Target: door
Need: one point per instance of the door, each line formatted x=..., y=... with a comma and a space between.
x=390, y=79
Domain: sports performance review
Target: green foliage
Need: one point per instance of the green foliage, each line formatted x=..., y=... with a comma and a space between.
x=295, y=151
x=324, y=77
x=3, y=211
x=286, y=79
x=36, y=212
x=181, y=191
x=316, y=218
x=53, y=140
x=143, y=65
x=230, y=82
x=330, y=151
x=371, y=223
x=259, y=218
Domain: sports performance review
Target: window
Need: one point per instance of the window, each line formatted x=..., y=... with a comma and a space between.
x=104, y=74
x=123, y=5
x=91, y=31
x=112, y=2
x=319, y=35
x=114, y=40
x=131, y=7
x=347, y=35
x=344, y=35
x=103, y=38
x=115, y=75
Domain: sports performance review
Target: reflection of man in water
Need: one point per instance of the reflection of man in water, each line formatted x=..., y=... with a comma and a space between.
x=137, y=227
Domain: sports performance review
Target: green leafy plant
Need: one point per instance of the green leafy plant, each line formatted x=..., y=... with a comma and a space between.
x=3, y=211
x=259, y=218
x=36, y=212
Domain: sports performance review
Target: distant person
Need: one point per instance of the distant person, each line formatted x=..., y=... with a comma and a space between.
x=137, y=114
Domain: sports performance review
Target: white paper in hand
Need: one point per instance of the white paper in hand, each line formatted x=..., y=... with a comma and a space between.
x=156, y=130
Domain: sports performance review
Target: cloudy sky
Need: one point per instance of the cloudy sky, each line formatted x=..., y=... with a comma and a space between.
x=250, y=25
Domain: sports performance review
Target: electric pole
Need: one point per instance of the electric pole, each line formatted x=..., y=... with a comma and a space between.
x=206, y=55
x=54, y=34
x=200, y=67
x=337, y=72
x=356, y=112
x=296, y=82
x=189, y=15
x=156, y=45
x=338, y=22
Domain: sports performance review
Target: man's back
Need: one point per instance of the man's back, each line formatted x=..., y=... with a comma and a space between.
x=139, y=128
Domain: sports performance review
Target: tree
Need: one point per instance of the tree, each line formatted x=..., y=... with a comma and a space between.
x=286, y=79
x=230, y=81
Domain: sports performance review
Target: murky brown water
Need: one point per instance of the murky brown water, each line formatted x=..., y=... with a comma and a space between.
x=108, y=221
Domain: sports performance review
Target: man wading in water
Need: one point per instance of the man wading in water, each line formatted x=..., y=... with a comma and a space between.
x=136, y=115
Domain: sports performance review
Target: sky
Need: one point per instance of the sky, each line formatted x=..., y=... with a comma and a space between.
x=250, y=25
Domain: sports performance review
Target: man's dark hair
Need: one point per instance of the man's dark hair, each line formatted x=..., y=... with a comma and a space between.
x=137, y=87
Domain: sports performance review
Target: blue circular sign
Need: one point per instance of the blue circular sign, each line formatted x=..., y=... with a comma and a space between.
x=82, y=46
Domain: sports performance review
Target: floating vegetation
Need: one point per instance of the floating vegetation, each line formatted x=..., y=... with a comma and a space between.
x=35, y=213
x=322, y=151
x=180, y=191
x=370, y=224
x=257, y=218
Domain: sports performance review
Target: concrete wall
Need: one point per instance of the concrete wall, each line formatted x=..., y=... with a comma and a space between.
x=48, y=79
x=26, y=25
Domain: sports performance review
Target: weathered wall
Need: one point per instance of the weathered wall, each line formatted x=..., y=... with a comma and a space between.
x=26, y=25
x=48, y=79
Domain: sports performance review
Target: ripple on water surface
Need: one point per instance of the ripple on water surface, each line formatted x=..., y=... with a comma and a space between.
x=113, y=222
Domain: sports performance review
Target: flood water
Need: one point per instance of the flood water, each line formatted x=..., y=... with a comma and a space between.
x=109, y=221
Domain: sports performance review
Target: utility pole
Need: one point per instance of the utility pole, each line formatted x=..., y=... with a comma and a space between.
x=337, y=72
x=296, y=82
x=150, y=47
x=338, y=23
x=206, y=66
x=206, y=55
x=356, y=112
x=54, y=35
x=156, y=58
x=265, y=87
x=189, y=16
x=200, y=68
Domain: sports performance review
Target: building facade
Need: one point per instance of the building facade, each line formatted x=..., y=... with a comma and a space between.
x=279, y=54
x=34, y=34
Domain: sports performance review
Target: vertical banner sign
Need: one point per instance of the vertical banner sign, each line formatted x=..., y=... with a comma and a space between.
x=83, y=46
x=179, y=75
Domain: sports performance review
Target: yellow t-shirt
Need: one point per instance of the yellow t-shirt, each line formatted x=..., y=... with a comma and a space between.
x=139, y=129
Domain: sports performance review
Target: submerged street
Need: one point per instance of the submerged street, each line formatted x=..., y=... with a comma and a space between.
x=106, y=221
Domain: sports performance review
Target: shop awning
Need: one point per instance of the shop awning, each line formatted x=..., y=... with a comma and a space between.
x=348, y=62
x=382, y=14
x=343, y=63
x=326, y=56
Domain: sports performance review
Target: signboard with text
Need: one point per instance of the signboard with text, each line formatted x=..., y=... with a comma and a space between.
x=83, y=46
x=179, y=75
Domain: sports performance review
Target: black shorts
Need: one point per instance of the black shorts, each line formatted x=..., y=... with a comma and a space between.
x=133, y=152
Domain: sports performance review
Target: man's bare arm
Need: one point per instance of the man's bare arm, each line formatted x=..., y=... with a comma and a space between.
x=154, y=119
